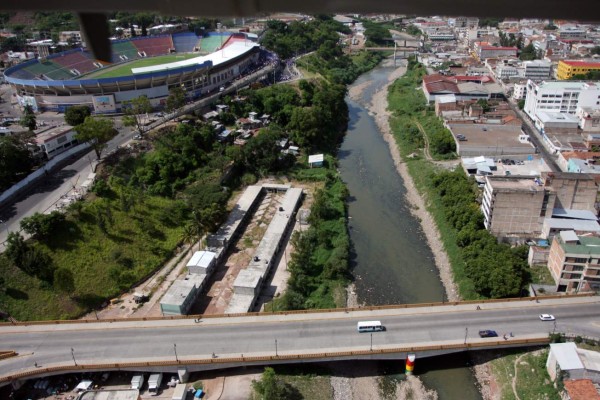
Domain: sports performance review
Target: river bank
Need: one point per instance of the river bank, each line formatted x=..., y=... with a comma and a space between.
x=378, y=108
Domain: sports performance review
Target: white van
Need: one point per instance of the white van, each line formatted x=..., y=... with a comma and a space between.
x=370, y=326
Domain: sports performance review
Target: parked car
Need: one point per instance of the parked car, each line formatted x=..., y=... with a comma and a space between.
x=547, y=317
x=488, y=333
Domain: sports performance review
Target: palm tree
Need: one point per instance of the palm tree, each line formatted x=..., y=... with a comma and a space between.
x=191, y=235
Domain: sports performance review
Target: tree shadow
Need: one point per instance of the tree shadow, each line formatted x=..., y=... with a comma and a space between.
x=65, y=237
x=17, y=294
x=119, y=238
x=89, y=300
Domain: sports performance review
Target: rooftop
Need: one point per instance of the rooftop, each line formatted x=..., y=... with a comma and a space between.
x=566, y=356
x=122, y=394
x=581, y=64
x=581, y=389
x=514, y=183
x=586, y=245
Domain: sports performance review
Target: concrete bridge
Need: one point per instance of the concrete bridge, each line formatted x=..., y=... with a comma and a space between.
x=186, y=344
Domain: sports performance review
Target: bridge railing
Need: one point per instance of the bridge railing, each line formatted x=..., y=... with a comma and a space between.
x=273, y=358
x=294, y=312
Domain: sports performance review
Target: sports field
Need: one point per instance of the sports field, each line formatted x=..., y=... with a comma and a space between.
x=125, y=69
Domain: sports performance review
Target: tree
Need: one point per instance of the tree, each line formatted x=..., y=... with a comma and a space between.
x=97, y=131
x=521, y=104
x=271, y=387
x=76, y=115
x=15, y=161
x=28, y=119
x=176, y=99
x=64, y=281
x=135, y=110
x=41, y=226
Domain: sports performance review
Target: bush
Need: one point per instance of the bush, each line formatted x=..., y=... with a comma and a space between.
x=41, y=226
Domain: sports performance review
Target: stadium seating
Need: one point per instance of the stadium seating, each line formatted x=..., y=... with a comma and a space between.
x=154, y=45
x=212, y=42
x=78, y=60
x=123, y=48
x=185, y=42
x=48, y=70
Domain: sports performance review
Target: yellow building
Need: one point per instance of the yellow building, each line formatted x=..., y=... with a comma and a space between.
x=566, y=69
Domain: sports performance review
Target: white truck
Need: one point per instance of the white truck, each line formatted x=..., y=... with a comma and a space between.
x=154, y=383
x=137, y=381
x=180, y=392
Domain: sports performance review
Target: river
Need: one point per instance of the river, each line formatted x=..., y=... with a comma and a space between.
x=391, y=260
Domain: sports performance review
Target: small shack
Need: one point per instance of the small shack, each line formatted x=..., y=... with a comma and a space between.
x=315, y=160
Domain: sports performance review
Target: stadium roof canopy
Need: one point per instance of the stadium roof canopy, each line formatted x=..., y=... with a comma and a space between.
x=228, y=53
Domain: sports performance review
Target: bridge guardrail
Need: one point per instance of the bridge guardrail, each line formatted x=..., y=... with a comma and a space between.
x=258, y=359
x=326, y=310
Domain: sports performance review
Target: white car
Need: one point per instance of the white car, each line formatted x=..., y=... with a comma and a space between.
x=547, y=317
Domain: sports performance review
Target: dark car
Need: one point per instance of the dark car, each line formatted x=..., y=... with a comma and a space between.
x=488, y=333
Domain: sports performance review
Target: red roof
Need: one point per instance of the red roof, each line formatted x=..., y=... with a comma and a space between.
x=582, y=389
x=582, y=64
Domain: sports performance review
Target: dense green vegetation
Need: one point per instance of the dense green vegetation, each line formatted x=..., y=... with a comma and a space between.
x=410, y=107
x=591, y=75
x=319, y=265
x=481, y=266
x=16, y=161
x=289, y=383
x=377, y=34
x=296, y=38
x=491, y=22
x=331, y=63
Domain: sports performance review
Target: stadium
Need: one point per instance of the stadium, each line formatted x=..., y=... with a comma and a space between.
x=149, y=65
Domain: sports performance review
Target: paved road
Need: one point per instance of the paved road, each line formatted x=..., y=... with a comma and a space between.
x=295, y=334
x=48, y=192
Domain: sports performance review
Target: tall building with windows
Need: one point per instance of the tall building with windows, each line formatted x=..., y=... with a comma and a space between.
x=560, y=97
x=537, y=70
x=567, y=69
x=574, y=262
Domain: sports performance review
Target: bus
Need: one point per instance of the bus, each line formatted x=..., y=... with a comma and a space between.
x=370, y=326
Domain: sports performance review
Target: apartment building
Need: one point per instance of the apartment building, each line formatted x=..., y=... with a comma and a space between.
x=574, y=262
x=560, y=96
x=568, y=68
x=519, y=91
x=516, y=206
x=537, y=70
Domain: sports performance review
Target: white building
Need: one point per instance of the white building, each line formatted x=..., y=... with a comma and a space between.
x=560, y=97
x=506, y=71
x=519, y=91
x=537, y=70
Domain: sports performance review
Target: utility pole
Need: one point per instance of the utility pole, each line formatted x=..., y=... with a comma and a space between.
x=73, y=355
x=371, y=348
x=175, y=349
x=466, y=333
x=276, y=355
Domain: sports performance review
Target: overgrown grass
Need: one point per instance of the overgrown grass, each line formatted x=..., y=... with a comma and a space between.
x=103, y=264
x=540, y=274
x=532, y=379
x=310, y=386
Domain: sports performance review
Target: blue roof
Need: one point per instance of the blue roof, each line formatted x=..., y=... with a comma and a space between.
x=574, y=214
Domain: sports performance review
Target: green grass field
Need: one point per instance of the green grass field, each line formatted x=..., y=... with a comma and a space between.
x=125, y=69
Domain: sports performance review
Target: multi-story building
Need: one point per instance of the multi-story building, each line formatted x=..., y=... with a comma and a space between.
x=519, y=90
x=589, y=119
x=537, y=70
x=567, y=68
x=574, y=262
x=506, y=71
x=516, y=206
x=560, y=96
x=466, y=22
x=73, y=36
x=572, y=33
